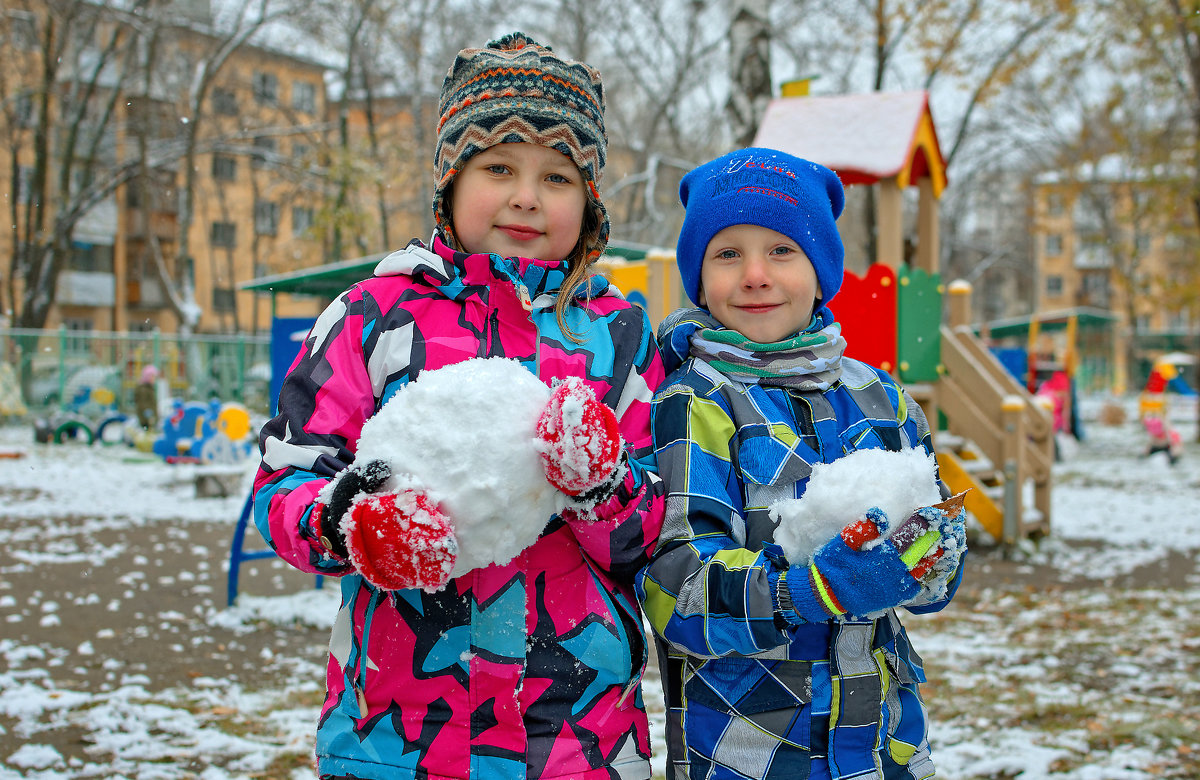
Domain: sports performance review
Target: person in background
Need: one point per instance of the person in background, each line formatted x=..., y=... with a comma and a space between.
x=530, y=669
x=778, y=668
x=145, y=398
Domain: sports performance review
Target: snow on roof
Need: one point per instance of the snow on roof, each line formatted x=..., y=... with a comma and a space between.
x=872, y=135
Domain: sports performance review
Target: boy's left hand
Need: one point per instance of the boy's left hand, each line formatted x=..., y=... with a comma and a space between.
x=929, y=542
x=579, y=441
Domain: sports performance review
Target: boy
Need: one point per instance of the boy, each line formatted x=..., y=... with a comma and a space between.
x=773, y=669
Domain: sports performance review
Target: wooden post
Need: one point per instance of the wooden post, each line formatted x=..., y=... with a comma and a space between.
x=960, y=303
x=889, y=240
x=928, y=246
x=1013, y=416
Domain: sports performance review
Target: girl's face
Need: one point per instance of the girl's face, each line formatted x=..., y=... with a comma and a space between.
x=758, y=282
x=518, y=200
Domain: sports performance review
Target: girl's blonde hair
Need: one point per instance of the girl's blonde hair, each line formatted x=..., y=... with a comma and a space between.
x=579, y=269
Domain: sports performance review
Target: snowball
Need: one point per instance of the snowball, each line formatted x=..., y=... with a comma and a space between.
x=465, y=434
x=841, y=492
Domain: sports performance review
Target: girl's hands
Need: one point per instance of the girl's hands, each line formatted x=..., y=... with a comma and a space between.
x=396, y=540
x=579, y=442
x=400, y=540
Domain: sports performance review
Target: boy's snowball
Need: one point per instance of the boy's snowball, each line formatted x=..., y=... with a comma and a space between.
x=465, y=434
x=841, y=492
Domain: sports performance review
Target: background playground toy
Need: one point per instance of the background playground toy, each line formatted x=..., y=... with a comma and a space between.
x=215, y=432
x=1165, y=377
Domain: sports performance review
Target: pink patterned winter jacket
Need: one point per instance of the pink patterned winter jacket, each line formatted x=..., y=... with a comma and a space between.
x=529, y=670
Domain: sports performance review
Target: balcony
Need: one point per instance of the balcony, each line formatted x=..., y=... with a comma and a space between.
x=1093, y=258
x=85, y=288
x=145, y=294
x=163, y=224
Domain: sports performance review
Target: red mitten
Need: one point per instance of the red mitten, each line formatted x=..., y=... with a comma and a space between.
x=579, y=440
x=400, y=540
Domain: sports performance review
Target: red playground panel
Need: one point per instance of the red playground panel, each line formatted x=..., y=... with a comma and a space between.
x=866, y=308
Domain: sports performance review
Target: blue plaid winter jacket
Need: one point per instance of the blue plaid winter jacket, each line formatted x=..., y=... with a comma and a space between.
x=749, y=696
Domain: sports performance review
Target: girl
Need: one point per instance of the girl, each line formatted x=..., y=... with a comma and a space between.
x=529, y=669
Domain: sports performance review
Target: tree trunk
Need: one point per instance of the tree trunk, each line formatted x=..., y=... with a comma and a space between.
x=750, y=68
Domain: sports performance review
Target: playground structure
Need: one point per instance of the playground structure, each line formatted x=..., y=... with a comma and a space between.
x=992, y=435
x=1165, y=377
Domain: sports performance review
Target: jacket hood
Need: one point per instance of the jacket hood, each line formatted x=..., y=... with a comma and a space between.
x=455, y=273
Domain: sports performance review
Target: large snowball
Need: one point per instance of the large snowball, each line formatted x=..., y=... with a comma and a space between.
x=841, y=492
x=465, y=434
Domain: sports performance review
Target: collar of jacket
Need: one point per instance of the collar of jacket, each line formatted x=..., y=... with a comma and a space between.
x=455, y=274
x=677, y=328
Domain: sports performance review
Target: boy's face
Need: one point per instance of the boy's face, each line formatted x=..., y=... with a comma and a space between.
x=758, y=282
x=518, y=200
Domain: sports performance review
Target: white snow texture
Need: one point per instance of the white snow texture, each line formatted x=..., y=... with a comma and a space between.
x=465, y=434
x=841, y=492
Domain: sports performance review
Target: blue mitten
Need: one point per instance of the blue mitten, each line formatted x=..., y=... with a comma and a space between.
x=854, y=575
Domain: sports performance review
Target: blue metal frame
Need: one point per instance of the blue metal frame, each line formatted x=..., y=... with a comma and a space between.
x=237, y=553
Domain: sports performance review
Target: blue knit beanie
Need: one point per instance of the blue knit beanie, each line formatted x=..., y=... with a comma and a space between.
x=771, y=189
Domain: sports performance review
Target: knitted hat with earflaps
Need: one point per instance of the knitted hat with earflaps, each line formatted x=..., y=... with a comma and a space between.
x=517, y=90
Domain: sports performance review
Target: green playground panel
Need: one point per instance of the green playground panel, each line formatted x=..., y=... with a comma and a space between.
x=919, y=319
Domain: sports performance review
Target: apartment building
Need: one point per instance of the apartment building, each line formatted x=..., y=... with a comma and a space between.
x=262, y=182
x=1110, y=237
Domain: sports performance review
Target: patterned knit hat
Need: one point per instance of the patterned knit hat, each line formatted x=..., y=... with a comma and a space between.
x=517, y=90
x=755, y=186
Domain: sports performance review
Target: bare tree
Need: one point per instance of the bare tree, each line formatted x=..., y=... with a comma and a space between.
x=965, y=52
x=1152, y=50
x=750, y=67
x=70, y=135
x=665, y=92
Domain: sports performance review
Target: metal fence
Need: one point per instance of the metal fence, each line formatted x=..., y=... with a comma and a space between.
x=71, y=370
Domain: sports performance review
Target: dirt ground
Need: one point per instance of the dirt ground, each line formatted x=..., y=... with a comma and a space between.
x=146, y=612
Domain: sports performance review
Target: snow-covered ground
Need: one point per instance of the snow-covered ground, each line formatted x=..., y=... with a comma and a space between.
x=1077, y=659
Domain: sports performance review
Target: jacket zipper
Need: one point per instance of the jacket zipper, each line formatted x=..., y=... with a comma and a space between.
x=358, y=681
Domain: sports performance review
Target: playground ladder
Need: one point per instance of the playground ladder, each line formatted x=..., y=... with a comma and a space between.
x=1000, y=442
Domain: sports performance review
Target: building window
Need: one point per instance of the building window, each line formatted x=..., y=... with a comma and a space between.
x=1096, y=289
x=22, y=31
x=224, y=299
x=1054, y=244
x=90, y=257
x=300, y=151
x=266, y=217
x=1054, y=285
x=77, y=345
x=224, y=167
x=304, y=97
x=1179, y=320
x=224, y=234
x=224, y=102
x=24, y=114
x=1141, y=242
x=302, y=220
x=264, y=151
x=266, y=88
x=1054, y=204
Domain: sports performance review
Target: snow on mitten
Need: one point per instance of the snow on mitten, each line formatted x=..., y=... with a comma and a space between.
x=357, y=479
x=579, y=442
x=843, y=580
x=930, y=542
x=400, y=540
